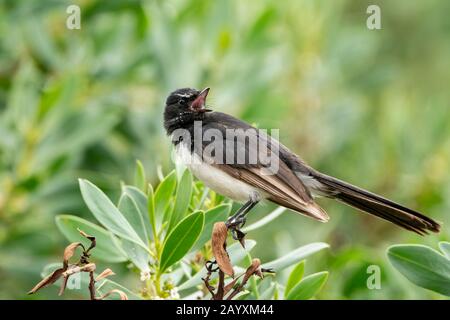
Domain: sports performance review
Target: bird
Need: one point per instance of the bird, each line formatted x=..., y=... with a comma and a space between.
x=291, y=183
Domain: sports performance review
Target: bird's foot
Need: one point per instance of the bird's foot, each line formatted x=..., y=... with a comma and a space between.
x=234, y=225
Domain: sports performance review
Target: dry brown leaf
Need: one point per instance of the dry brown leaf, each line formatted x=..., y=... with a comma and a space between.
x=231, y=284
x=105, y=273
x=90, y=267
x=84, y=234
x=69, y=251
x=91, y=238
x=122, y=294
x=72, y=269
x=219, y=243
x=51, y=278
x=63, y=285
x=254, y=268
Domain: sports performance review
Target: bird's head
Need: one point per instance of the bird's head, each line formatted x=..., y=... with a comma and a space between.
x=187, y=100
x=184, y=105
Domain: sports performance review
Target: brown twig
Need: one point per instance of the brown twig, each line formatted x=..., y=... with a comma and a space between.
x=219, y=245
x=83, y=265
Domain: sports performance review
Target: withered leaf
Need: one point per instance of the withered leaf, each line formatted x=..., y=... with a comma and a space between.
x=90, y=267
x=84, y=234
x=219, y=243
x=122, y=294
x=63, y=285
x=105, y=273
x=69, y=251
x=231, y=284
x=253, y=269
x=50, y=279
x=72, y=269
x=91, y=238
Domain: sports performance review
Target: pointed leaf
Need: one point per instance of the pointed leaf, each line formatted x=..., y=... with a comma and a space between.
x=129, y=209
x=138, y=256
x=422, y=266
x=308, y=287
x=295, y=277
x=182, y=200
x=48, y=280
x=216, y=214
x=151, y=211
x=295, y=256
x=163, y=196
x=268, y=218
x=268, y=293
x=181, y=239
x=104, y=274
x=106, y=213
x=142, y=204
x=139, y=176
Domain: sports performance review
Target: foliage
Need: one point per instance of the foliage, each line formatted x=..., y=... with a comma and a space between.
x=423, y=265
x=170, y=258
x=367, y=106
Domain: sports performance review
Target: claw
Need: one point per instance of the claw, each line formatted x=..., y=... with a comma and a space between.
x=240, y=237
x=236, y=233
x=235, y=225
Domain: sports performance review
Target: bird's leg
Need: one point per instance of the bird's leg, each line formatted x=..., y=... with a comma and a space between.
x=237, y=221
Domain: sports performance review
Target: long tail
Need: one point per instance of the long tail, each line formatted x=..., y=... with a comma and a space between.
x=376, y=205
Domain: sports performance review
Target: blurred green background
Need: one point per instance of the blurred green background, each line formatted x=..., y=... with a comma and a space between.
x=367, y=106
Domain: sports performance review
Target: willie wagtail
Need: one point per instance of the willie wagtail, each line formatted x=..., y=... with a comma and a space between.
x=224, y=165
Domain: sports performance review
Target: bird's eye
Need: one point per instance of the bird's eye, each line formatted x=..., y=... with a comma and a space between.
x=182, y=101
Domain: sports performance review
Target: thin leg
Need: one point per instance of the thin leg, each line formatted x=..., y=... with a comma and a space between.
x=237, y=221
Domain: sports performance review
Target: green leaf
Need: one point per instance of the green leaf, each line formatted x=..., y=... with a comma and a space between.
x=107, y=285
x=422, y=266
x=138, y=256
x=181, y=239
x=182, y=200
x=295, y=277
x=295, y=256
x=141, y=201
x=236, y=253
x=268, y=293
x=216, y=214
x=445, y=248
x=128, y=207
x=105, y=250
x=151, y=211
x=106, y=213
x=268, y=218
x=163, y=196
x=139, y=176
x=308, y=287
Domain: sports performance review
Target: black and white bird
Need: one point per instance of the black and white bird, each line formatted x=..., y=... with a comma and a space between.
x=293, y=184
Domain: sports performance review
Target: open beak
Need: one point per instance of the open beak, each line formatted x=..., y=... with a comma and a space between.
x=199, y=103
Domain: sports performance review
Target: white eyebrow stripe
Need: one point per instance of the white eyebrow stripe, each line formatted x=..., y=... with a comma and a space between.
x=184, y=95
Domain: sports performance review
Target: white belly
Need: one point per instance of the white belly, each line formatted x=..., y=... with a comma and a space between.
x=214, y=178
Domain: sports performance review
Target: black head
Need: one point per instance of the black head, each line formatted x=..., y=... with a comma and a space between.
x=184, y=106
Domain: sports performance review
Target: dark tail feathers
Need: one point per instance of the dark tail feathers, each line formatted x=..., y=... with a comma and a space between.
x=377, y=205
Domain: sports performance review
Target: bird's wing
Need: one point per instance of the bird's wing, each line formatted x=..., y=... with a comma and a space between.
x=278, y=190
x=280, y=184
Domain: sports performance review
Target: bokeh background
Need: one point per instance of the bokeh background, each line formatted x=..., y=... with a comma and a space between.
x=368, y=106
